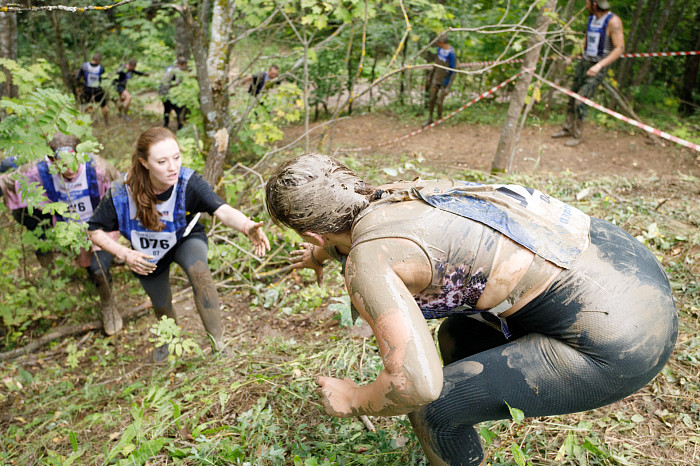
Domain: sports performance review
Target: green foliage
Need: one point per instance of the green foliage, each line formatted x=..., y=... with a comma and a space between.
x=26, y=79
x=72, y=359
x=27, y=300
x=277, y=107
x=167, y=332
x=34, y=119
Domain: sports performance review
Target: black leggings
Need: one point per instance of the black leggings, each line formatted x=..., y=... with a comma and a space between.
x=191, y=255
x=601, y=331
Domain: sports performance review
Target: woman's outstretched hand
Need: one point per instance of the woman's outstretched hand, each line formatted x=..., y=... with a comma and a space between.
x=257, y=236
x=336, y=395
x=302, y=258
x=139, y=262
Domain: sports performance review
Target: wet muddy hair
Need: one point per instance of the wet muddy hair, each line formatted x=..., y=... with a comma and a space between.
x=63, y=140
x=315, y=192
x=139, y=181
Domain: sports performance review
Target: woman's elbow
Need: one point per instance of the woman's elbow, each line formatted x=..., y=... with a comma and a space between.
x=425, y=388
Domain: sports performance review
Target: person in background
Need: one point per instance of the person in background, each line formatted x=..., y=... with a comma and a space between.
x=257, y=82
x=546, y=309
x=156, y=210
x=604, y=43
x=124, y=74
x=172, y=77
x=441, y=78
x=81, y=189
x=90, y=78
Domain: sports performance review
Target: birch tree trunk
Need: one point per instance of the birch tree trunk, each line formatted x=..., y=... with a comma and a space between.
x=8, y=49
x=212, y=62
x=506, y=144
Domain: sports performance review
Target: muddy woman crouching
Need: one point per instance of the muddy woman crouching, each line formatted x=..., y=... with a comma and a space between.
x=546, y=309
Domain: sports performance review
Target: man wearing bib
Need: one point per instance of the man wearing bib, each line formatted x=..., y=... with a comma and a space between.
x=90, y=77
x=546, y=309
x=81, y=190
x=604, y=43
x=156, y=209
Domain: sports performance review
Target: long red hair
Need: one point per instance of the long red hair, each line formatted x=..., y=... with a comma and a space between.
x=139, y=180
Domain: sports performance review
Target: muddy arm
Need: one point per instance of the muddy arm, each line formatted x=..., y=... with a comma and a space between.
x=381, y=277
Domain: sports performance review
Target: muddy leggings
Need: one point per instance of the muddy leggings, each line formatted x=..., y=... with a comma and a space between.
x=191, y=255
x=600, y=332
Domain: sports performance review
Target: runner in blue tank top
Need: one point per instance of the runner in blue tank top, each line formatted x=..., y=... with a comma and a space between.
x=546, y=309
x=156, y=210
x=604, y=42
x=90, y=78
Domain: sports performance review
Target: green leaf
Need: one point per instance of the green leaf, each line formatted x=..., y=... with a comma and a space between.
x=518, y=455
x=73, y=440
x=516, y=414
x=487, y=435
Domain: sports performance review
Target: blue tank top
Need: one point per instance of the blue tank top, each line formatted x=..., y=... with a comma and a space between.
x=174, y=217
x=598, y=44
x=82, y=195
x=92, y=74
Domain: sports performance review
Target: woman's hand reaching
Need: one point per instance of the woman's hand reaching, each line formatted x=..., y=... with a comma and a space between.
x=257, y=236
x=303, y=258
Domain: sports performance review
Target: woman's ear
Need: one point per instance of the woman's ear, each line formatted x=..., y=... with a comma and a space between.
x=143, y=162
x=320, y=239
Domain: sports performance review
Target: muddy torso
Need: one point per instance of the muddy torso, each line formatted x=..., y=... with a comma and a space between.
x=474, y=267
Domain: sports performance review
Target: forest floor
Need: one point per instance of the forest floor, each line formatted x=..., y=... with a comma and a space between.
x=259, y=404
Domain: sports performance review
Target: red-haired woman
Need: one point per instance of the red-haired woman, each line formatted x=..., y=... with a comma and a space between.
x=157, y=211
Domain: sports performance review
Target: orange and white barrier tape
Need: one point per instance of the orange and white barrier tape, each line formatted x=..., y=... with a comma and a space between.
x=629, y=120
x=437, y=122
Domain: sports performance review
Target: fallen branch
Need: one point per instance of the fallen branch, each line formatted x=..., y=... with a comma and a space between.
x=72, y=9
x=368, y=424
x=69, y=331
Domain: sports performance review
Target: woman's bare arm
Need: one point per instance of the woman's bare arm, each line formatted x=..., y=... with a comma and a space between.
x=234, y=218
x=381, y=277
x=137, y=261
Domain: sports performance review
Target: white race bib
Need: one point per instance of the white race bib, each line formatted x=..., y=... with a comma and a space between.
x=153, y=243
x=76, y=194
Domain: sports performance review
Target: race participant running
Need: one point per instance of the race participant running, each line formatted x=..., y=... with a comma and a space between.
x=157, y=209
x=81, y=190
x=90, y=77
x=546, y=309
x=124, y=74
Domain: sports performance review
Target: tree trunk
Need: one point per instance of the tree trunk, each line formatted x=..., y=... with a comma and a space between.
x=642, y=32
x=677, y=15
x=348, y=61
x=690, y=75
x=182, y=45
x=8, y=49
x=66, y=72
x=212, y=62
x=558, y=67
x=653, y=43
x=630, y=43
x=506, y=144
